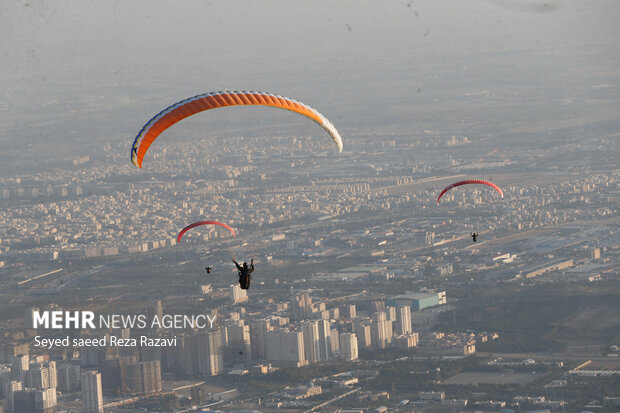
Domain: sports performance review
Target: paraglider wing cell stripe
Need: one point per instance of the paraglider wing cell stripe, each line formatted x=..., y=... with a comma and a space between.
x=195, y=224
x=187, y=107
x=470, y=181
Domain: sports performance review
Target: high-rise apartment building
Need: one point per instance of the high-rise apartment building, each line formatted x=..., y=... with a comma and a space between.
x=324, y=340
x=348, y=346
x=286, y=348
x=114, y=375
x=301, y=307
x=43, y=375
x=144, y=377
x=348, y=311
x=362, y=328
x=19, y=367
x=9, y=392
x=334, y=341
x=317, y=338
x=34, y=401
x=310, y=331
x=237, y=294
x=380, y=330
x=238, y=341
x=403, y=320
x=258, y=338
x=69, y=377
x=92, y=392
x=210, y=352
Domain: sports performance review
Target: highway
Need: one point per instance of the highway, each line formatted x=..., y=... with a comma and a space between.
x=39, y=276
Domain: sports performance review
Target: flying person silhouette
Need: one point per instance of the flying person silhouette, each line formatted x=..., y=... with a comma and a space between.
x=245, y=273
x=208, y=269
x=474, y=235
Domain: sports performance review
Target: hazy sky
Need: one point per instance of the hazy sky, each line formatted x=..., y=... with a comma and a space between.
x=356, y=55
x=44, y=37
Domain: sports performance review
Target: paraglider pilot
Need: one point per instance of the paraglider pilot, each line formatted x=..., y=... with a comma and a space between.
x=474, y=235
x=208, y=269
x=245, y=273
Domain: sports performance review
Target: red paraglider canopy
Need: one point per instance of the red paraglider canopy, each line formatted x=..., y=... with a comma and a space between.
x=195, y=224
x=470, y=181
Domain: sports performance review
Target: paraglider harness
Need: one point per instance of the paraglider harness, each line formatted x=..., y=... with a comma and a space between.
x=245, y=274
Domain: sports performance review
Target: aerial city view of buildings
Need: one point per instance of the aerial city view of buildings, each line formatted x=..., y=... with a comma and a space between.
x=353, y=261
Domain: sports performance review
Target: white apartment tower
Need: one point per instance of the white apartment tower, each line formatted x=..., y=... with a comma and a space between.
x=380, y=330
x=237, y=294
x=311, y=341
x=324, y=339
x=403, y=320
x=317, y=336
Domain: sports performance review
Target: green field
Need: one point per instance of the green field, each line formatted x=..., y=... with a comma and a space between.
x=542, y=318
